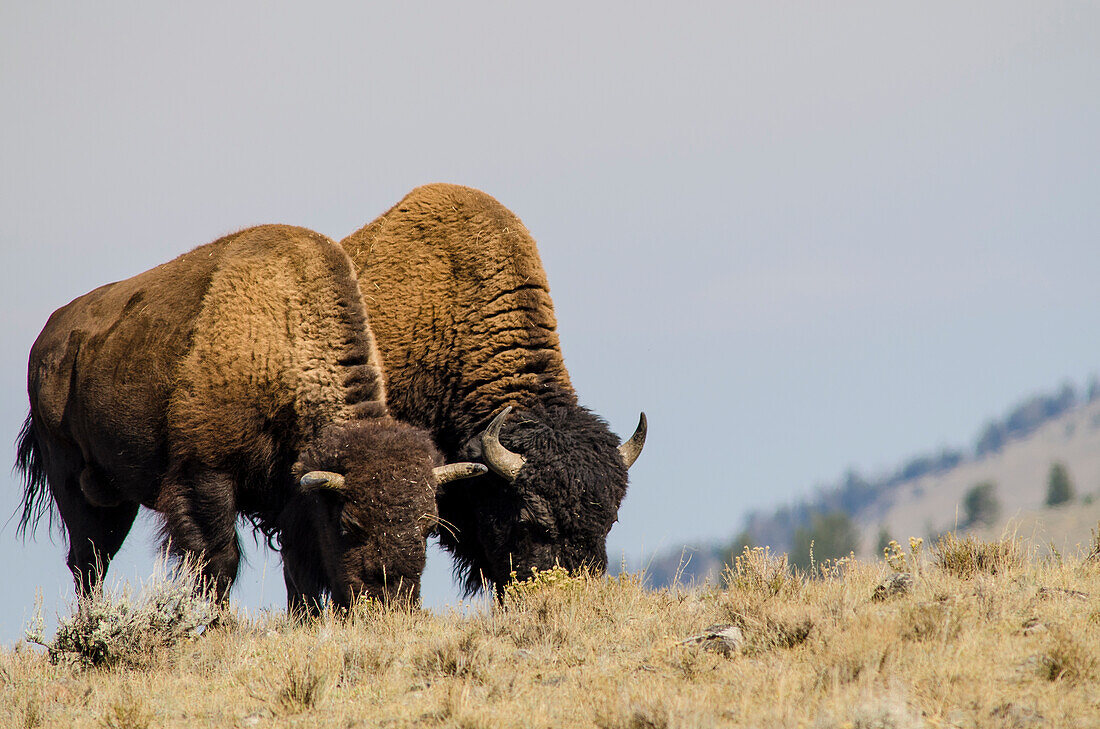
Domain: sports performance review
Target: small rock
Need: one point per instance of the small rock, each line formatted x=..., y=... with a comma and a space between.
x=252, y=719
x=897, y=584
x=724, y=639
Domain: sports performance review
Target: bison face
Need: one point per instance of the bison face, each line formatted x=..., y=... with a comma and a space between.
x=552, y=503
x=366, y=508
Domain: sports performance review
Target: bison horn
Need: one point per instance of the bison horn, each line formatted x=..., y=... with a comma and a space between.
x=455, y=471
x=315, y=480
x=503, y=461
x=631, y=449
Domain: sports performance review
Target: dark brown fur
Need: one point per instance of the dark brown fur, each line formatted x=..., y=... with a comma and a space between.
x=203, y=389
x=461, y=310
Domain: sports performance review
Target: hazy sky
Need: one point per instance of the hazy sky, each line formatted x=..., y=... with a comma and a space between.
x=801, y=236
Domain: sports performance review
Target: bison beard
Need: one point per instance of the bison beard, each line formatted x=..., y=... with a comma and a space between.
x=461, y=311
x=240, y=378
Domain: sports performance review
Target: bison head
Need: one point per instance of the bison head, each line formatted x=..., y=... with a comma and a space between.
x=365, y=506
x=558, y=476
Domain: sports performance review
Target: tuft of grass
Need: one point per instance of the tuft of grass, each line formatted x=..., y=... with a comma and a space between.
x=1067, y=658
x=876, y=712
x=654, y=716
x=930, y=621
x=32, y=713
x=1093, y=555
x=756, y=569
x=127, y=712
x=107, y=630
x=463, y=658
x=968, y=557
x=304, y=685
x=770, y=625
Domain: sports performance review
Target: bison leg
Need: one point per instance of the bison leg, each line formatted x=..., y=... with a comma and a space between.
x=200, y=515
x=95, y=532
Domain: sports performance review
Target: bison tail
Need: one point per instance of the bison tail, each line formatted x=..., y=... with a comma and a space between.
x=36, y=493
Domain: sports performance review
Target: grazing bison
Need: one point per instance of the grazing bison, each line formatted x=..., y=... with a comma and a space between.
x=461, y=310
x=239, y=378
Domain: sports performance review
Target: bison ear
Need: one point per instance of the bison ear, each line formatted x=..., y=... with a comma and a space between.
x=429, y=524
x=317, y=480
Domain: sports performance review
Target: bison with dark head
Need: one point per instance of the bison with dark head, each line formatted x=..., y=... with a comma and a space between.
x=461, y=310
x=240, y=378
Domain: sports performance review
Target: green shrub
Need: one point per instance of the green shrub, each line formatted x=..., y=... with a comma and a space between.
x=981, y=504
x=1059, y=485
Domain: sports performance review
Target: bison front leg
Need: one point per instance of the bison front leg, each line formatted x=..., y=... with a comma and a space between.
x=200, y=515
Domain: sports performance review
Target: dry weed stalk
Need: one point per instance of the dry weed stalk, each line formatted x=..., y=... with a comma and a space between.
x=898, y=561
x=1093, y=555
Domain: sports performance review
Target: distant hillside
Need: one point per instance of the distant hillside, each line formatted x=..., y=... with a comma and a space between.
x=926, y=494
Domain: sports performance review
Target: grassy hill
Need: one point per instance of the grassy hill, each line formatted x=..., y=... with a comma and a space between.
x=926, y=495
x=1019, y=471
x=971, y=634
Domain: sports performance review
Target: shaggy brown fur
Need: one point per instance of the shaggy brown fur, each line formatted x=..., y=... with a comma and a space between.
x=461, y=310
x=205, y=388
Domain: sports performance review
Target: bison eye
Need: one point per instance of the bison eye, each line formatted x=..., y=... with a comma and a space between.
x=348, y=524
x=541, y=525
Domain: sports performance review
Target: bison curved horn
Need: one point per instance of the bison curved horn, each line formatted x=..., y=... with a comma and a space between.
x=503, y=461
x=315, y=480
x=455, y=471
x=631, y=449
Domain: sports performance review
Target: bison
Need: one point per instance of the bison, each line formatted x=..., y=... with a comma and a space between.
x=461, y=311
x=240, y=378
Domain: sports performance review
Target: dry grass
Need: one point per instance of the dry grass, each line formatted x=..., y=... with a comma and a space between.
x=977, y=646
x=968, y=557
x=128, y=712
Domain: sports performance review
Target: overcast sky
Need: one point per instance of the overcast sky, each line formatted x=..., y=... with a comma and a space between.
x=801, y=236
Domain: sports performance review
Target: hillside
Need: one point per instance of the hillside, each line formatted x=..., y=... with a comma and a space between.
x=975, y=635
x=925, y=495
x=1019, y=471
